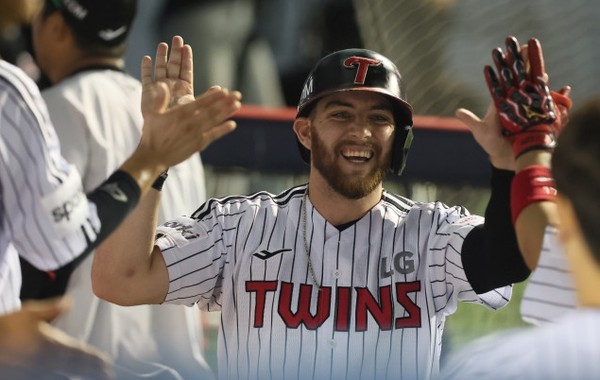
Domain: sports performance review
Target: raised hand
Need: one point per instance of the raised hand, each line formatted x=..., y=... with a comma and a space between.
x=487, y=131
x=174, y=130
x=177, y=71
x=525, y=106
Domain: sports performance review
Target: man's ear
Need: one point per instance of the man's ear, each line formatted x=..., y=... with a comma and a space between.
x=302, y=130
x=58, y=27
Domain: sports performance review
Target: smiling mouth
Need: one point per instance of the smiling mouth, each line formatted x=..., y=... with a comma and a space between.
x=357, y=155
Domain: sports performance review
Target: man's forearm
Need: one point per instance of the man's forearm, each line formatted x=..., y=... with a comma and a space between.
x=533, y=219
x=124, y=266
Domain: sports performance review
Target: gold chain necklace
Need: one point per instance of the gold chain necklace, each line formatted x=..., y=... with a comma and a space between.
x=306, y=250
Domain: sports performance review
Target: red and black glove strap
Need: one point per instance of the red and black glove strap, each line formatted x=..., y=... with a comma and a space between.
x=530, y=185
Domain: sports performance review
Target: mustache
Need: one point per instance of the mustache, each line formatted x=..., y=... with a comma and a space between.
x=363, y=144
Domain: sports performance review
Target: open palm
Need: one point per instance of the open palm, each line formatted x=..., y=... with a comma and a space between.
x=175, y=69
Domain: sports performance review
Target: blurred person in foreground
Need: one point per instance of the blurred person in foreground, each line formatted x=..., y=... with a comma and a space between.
x=569, y=347
x=48, y=219
x=564, y=178
x=94, y=106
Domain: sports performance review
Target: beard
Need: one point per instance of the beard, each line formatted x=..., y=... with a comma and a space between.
x=349, y=187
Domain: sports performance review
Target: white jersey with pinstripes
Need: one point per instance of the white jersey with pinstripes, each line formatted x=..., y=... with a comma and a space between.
x=96, y=113
x=565, y=349
x=387, y=283
x=45, y=216
x=550, y=291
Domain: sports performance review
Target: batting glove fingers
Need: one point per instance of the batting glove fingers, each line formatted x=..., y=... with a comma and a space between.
x=523, y=100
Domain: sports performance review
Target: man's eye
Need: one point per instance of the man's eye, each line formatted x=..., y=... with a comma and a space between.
x=381, y=119
x=340, y=115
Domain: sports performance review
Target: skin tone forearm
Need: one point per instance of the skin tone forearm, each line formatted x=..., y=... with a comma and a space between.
x=532, y=221
x=126, y=271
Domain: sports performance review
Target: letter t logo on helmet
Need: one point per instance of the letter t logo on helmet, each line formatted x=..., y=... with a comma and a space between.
x=360, y=70
x=363, y=67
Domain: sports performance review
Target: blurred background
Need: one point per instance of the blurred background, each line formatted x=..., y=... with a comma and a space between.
x=265, y=48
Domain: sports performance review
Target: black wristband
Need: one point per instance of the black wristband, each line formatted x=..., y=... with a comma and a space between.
x=114, y=200
x=160, y=180
x=490, y=253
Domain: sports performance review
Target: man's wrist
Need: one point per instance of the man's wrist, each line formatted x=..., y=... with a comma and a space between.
x=160, y=180
x=537, y=157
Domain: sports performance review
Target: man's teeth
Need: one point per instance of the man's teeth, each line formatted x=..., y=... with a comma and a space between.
x=363, y=155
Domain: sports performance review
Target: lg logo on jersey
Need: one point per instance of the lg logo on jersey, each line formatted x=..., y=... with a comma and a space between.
x=401, y=263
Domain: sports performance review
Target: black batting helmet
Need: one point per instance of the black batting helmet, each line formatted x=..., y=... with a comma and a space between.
x=363, y=70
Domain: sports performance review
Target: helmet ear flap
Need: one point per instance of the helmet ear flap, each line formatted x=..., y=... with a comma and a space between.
x=402, y=142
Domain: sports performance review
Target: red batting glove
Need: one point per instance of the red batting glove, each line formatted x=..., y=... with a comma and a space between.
x=523, y=100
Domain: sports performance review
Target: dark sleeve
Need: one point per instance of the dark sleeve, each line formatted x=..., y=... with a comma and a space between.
x=115, y=198
x=490, y=253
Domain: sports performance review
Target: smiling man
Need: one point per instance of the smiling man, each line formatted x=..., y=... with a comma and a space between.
x=336, y=278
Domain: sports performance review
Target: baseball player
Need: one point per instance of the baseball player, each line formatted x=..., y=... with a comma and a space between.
x=94, y=106
x=567, y=348
x=336, y=278
x=46, y=217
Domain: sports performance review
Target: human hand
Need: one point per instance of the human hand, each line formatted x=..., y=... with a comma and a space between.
x=30, y=348
x=488, y=134
x=171, y=135
x=526, y=109
x=177, y=71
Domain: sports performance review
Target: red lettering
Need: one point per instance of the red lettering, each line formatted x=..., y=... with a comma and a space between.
x=362, y=64
x=261, y=288
x=381, y=312
x=342, y=311
x=381, y=309
x=303, y=315
x=413, y=317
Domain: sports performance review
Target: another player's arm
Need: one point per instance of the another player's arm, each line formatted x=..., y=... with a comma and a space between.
x=497, y=253
x=530, y=224
x=531, y=117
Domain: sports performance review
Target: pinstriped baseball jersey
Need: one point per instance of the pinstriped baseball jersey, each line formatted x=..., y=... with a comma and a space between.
x=550, y=292
x=387, y=282
x=566, y=349
x=45, y=216
x=96, y=113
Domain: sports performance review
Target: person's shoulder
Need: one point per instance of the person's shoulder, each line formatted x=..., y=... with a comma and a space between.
x=260, y=199
x=85, y=90
x=405, y=204
x=14, y=80
x=99, y=81
x=398, y=202
x=266, y=198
